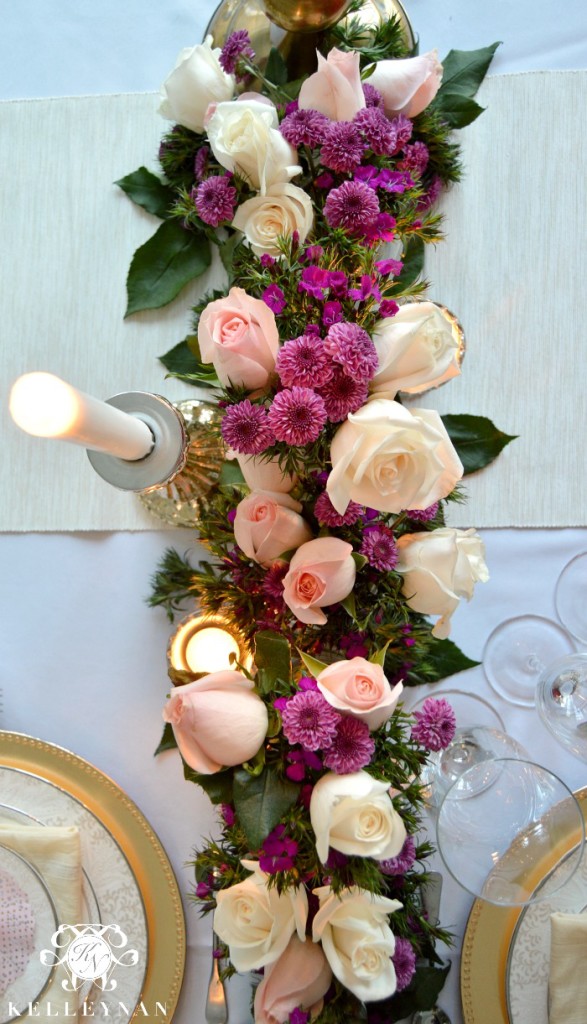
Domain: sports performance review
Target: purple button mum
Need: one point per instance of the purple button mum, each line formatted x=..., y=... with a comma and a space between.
x=404, y=961
x=351, y=346
x=351, y=748
x=236, y=46
x=245, y=428
x=304, y=128
x=379, y=131
x=297, y=416
x=404, y=861
x=379, y=548
x=423, y=515
x=309, y=720
x=304, y=362
x=327, y=515
x=343, y=394
x=351, y=206
x=343, y=147
x=215, y=200
x=435, y=724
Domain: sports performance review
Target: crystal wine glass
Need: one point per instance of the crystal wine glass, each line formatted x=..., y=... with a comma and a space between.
x=561, y=702
x=570, y=597
x=518, y=651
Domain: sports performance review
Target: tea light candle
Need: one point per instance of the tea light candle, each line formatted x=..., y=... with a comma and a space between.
x=46, y=406
x=205, y=643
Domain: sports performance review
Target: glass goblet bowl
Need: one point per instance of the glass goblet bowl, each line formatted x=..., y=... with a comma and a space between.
x=561, y=702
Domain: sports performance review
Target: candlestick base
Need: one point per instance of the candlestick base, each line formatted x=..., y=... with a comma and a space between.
x=166, y=458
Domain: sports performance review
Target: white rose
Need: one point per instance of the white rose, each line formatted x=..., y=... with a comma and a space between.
x=391, y=458
x=354, y=814
x=257, y=922
x=282, y=210
x=440, y=568
x=417, y=349
x=267, y=524
x=196, y=81
x=358, y=943
x=244, y=137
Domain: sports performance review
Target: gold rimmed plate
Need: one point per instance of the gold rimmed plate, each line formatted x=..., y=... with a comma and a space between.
x=122, y=856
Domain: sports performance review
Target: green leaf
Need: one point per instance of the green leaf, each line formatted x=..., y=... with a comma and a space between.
x=260, y=802
x=413, y=260
x=421, y=994
x=350, y=606
x=167, y=740
x=231, y=475
x=447, y=659
x=179, y=359
x=464, y=70
x=217, y=786
x=256, y=765
x=379, y=657
x=276, y=68
x=476, y=439
x=147, y=190
x=227, y=250
x=358, y=559
x=272, y=658
x=457, y=110
x=313, y=666
x=164, y=265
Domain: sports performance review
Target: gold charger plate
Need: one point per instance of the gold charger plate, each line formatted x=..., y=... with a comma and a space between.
x=141, y=847
x=486, y=944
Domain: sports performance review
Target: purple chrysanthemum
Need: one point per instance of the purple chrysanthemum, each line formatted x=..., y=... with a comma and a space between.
x=378, y=130
x=388, y=308
x=404, y=861
x=379, y=548
x=423, y=515
x=351, y=347
x=351, y=206
x=215, y=200
x=274, y=298
x=435, y=724
x=343, y=147
x=304, y=362
x=278, y=852
x=373, y=97
x=297, y=416
x=272, y=585
x=415, y=158
x=309, y=720
x=246, y=429
x=342, y=395
x=404, y=961
x=201, y=163
x=430, y=197
x=236, y=46
x=351, y=748
x=304, y=128
x=327, y=515
x=403, y=128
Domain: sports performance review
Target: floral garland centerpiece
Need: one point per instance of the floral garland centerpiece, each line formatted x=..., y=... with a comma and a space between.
x=326, y=525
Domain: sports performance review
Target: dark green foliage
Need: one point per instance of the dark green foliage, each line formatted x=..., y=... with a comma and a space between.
x=476, y=439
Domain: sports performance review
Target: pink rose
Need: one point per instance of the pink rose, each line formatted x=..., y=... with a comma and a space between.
x=267, y=524
x=265, y=474
x=336, y=88
x=208, y=737
x=409, y=85
x=238, y=334
x=321, y=572
x=300, y=978
x=359, y=688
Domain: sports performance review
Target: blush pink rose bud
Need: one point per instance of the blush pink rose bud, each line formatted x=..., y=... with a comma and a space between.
x=409, y=85
x=359, y=688
x=238, y=334
x=218, y=721
x=321, y=573
x=265, y=474
x=336, y=88
x=300, y=978
x=268, y=524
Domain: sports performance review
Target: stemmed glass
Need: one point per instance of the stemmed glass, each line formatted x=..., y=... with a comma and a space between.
x=518, y=651
x=570, y=597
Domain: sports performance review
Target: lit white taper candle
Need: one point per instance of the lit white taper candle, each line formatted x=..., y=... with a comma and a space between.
x=45, y=406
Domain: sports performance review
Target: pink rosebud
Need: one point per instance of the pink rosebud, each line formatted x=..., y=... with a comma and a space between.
x=265, y=474
x=321, y=573
x=238, y=334
x=299, y=978
x=409, y=85
x=336, y=88
x=218, y=721
x=267, y=524
x=359, y=688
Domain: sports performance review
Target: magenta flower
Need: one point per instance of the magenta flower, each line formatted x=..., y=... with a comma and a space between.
x=343, y=147
x=379, y=548
x=343, y=394
x=380, y=133
x=388, y=308
x=415, y=158
x=430, y=197
x=309, y=720
x=325, y=180
x=367, y=289
x=312, y=253
x=403, y=129
x=297, y=416
x=386, y=267
x=304, y=128
x=332, y=313
x=202, y=890
x=404, y=861
x=352, y=206
x=299, y=1016
x=278, y=852
x=382, y=229
x=215, y=200
x=314, y=280
x=272, y=585
x=423, y=515
x=304, y=362
x=338, y=283
x=274, y=298
x=404, y=961
x=327, y=515
x=373, y=97
x=354, y=646
x=393, y=181
x=368, y=174
x=299, y=761
x=236, y=46
x=228, y=815
x=245, y=428
x=435, y=724
x=267, y=260
x=201, y=163
x=351, y=748
x=351, y=346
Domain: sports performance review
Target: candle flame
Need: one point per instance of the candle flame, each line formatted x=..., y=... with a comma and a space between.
x=43, y=405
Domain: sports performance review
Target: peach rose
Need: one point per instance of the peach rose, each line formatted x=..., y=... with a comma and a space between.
x=300, y=978
x=238, y=334
x=267, y=524
x=409, y=85
x=359, y=688
x=208, y=738
x=265, y=474
x=336, y=88
x=321, y=572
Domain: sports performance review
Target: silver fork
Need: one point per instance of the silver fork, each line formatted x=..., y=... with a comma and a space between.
x=216, y=1006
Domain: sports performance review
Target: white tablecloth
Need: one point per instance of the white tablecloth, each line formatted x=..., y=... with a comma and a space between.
x=82, y=659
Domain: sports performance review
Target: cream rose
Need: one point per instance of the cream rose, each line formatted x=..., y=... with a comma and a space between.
x=208, y=738
x=354, y=814
x=238, y=334
x=439, y=569
x=321, y=572
x=357, y=940
x=196, y=81
x=416, y=349
x=267, y=524
x=336, y=88
x=391, y=458
x=256, y=922
x=244, y=137
x=359, y=688
x=282, y=210
x=300, y=978
x=265, y=474
x=408, y=85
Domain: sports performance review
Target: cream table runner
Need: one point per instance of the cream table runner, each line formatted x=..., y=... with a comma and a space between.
x=513, y=269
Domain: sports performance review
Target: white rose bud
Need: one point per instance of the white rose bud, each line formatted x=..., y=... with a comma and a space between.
x=283, y=209
x=417, y=349
x=244, y=137
x=196, y=81
x=354, y=814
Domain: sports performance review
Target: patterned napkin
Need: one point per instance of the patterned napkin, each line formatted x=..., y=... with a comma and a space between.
x=567, y=981
x=55, y=853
